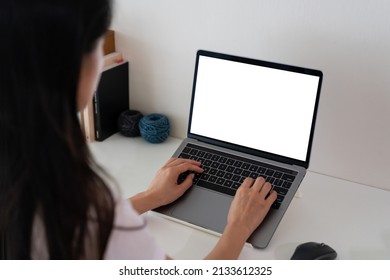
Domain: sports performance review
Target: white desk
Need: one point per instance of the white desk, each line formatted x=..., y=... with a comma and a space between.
x=350, y=217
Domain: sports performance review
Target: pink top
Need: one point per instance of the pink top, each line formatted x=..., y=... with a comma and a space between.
x=129, y=238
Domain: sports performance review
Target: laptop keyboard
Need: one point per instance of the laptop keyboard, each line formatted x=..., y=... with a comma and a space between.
x=225, y=172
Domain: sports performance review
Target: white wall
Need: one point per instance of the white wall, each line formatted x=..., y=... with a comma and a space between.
x=348, y=40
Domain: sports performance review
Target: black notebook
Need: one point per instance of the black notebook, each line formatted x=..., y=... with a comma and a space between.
x=111, y=99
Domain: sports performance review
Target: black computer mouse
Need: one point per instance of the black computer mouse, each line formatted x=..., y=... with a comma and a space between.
x=314, y=251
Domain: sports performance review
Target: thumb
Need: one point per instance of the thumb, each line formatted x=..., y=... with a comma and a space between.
x=187, y=183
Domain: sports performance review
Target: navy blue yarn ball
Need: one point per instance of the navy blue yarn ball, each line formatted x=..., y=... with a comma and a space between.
x=128, y=123
x=154, y=128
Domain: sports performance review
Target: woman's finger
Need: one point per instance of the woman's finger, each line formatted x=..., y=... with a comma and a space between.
x=258, y=184
x=265, y=189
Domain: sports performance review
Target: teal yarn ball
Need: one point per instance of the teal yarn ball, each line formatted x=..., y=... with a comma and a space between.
x=154, y=128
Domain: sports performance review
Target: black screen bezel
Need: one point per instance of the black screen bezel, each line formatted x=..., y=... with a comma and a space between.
x=247, y=150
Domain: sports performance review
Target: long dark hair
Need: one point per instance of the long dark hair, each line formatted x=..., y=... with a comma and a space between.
x=46, y=170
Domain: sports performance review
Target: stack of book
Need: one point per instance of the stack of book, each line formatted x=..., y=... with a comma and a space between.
x=99, y=118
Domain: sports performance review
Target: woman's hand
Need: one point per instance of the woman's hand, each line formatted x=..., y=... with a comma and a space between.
x=164, y=188
x=249, y=207
x=251, y=204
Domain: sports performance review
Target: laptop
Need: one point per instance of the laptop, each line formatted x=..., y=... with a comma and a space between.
x=248, y=118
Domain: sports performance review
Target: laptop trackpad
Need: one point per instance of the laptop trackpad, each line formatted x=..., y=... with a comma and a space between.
x=204, y=208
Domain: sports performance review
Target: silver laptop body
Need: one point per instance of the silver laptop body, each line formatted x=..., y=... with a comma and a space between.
x=257, y=116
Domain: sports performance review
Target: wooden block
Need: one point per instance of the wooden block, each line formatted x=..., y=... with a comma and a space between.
x=109, y=42
x=87, y=120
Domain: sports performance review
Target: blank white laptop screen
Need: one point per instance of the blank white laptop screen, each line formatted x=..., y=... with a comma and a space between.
x=254, y=106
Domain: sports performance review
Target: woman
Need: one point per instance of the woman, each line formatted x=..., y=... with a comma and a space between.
x=55, y=201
